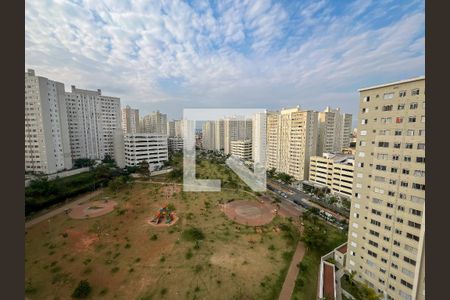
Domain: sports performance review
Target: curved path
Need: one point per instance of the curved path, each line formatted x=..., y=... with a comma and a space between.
x=61, y=209
x=291, y=276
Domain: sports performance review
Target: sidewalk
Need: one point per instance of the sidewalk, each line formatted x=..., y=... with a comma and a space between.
x=61, y=209
x=291, y=276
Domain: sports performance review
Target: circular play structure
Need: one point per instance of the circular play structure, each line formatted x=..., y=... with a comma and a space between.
x=92, y=209
x=251, y=213
x=164, y=217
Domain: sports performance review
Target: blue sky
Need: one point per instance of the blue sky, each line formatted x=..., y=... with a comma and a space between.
x=170, y=55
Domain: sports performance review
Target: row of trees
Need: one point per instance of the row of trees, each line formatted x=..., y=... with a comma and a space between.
x=285, y=178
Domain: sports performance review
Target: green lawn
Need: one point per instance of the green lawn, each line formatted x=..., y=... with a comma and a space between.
x=306, y=285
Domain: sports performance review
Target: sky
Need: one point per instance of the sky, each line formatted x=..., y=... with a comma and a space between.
x=170, y=55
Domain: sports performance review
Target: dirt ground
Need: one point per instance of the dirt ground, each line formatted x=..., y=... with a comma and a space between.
x=251, y=213
x=92, y=209
x=123, y=257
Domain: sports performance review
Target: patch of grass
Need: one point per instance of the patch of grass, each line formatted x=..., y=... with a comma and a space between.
x=115, y=270
x=193, y=234
x=189, y=254
x=103, y=292
x=82, y=290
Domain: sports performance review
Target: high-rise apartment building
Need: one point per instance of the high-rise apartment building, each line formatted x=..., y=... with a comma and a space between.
x=208, y=135
x=291, y=140
x=259, y=123
x=242, y=149
x=175, y=128
x=130, y=120
x=175, y=144
x=334, y=131
x=235, y=128
x=93, y=119
x=170, y=128
x=155, y=122
x=47, y=146
x=334, y=172
x=219, y=135
x=386, y=243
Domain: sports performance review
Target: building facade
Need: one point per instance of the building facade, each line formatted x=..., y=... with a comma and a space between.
x=291, y=141
x=219, y=135
x=235, y=128
x=47, y=145
x=130, y=120
x=335, y=171
x=387, y=222
x=334, y=131
x=175, y=144
x=155, y=122
x=93, y=119
x=149, y=147
x=242, y=149
x=208, y=135
x=259, y=132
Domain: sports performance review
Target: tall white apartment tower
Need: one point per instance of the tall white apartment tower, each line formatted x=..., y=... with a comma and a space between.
x=386, y=240
x=130, y=120
x=334, y=131
x=47, y=147
x=259, y=123
x=155, y=122
x=208, y=135
x=93, y=119
x=171, y=128
x=219, y=135
x=291, y=140
x=236, y=128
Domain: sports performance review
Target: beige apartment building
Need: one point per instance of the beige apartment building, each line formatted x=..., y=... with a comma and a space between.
x=175, y=128
x=291, y=141
x=259, y=132
x=219, y=135
x=155, y=122
x=208, y=135
x=334, y=131
x=386, y=244
x=130, y=120
x=235, y=128
x=47, y=146
x=242, y=149
x=333, y=171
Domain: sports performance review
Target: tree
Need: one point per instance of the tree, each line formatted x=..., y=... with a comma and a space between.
x=314, y=235
x=108, y=159
x=271, y=172
x=286, y=178
x=143, y=168
x=117, y=183
x=83, y=162
x=82, y=290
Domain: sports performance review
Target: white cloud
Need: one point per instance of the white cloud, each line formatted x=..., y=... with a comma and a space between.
x=234, y=53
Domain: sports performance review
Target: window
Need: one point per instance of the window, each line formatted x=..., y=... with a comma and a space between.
x=363, y=132
x=414, y=224
x=407, y=284
x=394, y=170
x=401, y=107
x=386, y=108
x=412, y=119
x=418, y=186
x=402, y=94
x=421, y=132
x=366, y=99
x=408, y=146
x=365, y=110
x=415, y=92
x=364, y=121
x=420, y=159
x=413, y=105
x=397, y=145
x=383, y=144
x=386, y=120
x=404, y=184
x=421, y=146
x=387, y=96
x=399, y=120
x=405, y=171
x=395, y=157
x=410, y=132
x=409, y=260
x=407, y=158
x=415, y=212
x=419, y=173
x=422, y=119
x=398, y=132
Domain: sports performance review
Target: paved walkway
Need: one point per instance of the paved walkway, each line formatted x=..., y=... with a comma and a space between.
x=61, y=209
x=291, y=277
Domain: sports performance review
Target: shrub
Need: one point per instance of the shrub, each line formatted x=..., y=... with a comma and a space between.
x=189, y=254
x=82, y=290
x=193, y=234
x=154, y=237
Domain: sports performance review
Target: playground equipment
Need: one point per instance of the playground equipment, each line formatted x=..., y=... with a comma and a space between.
x=164, y=213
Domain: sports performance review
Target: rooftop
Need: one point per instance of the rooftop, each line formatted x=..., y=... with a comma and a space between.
x=343, y=248
x=392, y=83
x=328, y=281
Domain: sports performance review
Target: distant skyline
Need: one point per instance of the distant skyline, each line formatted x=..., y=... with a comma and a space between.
x=171, y=55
